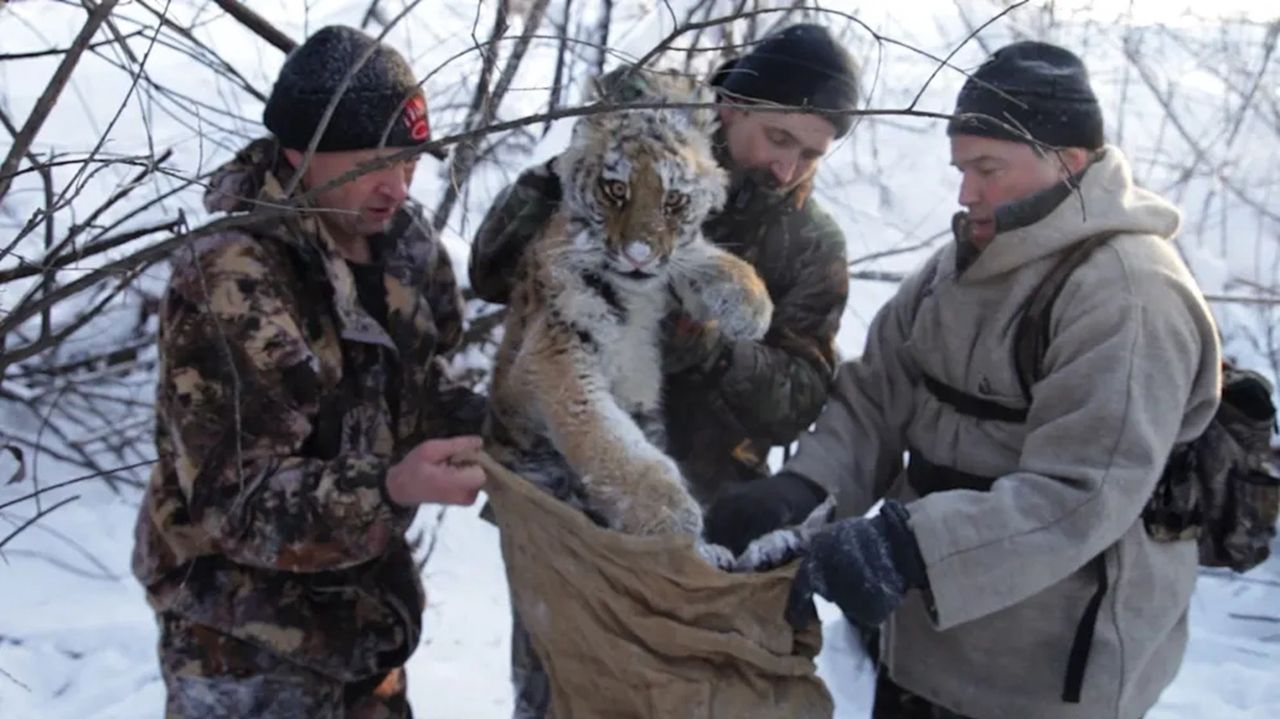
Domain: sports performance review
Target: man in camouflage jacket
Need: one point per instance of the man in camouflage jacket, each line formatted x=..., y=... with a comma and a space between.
x=728, y=402
x=300, y=404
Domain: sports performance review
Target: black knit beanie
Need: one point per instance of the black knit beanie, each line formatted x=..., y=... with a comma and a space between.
x=799, y=66
x=1033, y=86
x=383, y=98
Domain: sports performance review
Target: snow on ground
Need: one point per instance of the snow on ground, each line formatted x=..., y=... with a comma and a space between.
x=77, y=639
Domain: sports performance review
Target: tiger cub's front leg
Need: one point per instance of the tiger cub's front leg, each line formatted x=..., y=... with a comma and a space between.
x=720, y=288
x=628, y=480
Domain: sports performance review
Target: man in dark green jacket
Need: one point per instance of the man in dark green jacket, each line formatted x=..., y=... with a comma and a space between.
x=728, y=402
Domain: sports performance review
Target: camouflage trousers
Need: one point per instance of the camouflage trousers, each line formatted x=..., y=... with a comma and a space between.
x=210, y=675
x=529, y=682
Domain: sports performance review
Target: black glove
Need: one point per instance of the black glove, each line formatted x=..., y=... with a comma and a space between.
x=759, y=507
x=863, y=565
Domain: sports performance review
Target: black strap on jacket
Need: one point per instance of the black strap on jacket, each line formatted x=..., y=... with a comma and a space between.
x=1078, y=659
x=971, y=405
x=1034, y=329
x=925, y=477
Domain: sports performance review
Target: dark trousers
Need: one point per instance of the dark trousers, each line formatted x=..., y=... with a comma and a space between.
x=529, y=682
x=894, y=702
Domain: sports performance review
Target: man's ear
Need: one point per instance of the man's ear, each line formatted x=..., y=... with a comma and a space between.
x=1075, y=159
x=293, y=156
x=728, y=115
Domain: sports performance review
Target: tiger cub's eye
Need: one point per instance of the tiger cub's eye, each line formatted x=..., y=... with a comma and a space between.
x=614, y=190
x=675, y=203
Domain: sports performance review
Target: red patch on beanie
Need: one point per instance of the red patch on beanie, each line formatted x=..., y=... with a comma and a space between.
x=415, y=119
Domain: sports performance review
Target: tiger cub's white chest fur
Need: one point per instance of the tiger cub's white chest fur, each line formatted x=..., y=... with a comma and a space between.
x=621, y=323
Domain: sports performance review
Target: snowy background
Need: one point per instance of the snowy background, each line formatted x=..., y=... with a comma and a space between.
x=1190, y=91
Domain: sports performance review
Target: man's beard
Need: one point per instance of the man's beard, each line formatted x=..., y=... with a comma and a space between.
x=758, y=182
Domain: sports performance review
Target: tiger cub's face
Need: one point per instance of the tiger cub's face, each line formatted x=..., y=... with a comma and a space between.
x=641, y=183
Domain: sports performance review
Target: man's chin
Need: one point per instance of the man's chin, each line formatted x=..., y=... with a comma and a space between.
x=370, y=227
x=982, y=233
x=761, y=182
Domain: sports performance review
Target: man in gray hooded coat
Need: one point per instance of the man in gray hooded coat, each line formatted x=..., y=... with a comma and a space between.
x=1009, y=564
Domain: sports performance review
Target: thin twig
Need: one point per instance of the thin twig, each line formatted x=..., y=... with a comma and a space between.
x=83, y=478
x=435, y=538
x=259, y=25
x=877, y=276
x=464, y=156
x=262, y=218
x=102, y=138
x=226, y=68
x=37, y=517
x=928, y=241
x=44, y=105
x=1255, y=618
x=59, y=51
x=45, y=342
x=1238, y=300
x=370, y=14
x=29, y=269
x=946, y=61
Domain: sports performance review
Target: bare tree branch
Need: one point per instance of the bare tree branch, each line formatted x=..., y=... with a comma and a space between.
x=927, y=242
x=37, y=517
x=61, y=50
x=371, y=14
x=90, y=250
x=946, y=61
x=258, y=25
x=44, y=104
x=142, y=257
x=464, y=156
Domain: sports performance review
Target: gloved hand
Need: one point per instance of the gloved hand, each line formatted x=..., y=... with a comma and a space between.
x=760, y=506
x=864, y=565
x=692, y=346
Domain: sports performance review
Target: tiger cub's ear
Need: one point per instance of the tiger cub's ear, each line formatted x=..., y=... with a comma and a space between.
x=703, y=119
x=628, y=84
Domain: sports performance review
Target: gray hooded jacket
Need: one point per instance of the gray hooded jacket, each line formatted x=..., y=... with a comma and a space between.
x=1132, y=368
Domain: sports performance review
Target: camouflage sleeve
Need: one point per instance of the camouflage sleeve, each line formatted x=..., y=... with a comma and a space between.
x=777, y=387
x=445, y=299
x=454, y=409
x=508, y=227
x=239, y=397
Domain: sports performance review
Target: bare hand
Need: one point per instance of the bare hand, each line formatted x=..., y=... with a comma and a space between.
x=436, y=471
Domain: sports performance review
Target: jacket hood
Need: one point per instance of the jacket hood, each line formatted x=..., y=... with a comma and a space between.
x=1104, y=200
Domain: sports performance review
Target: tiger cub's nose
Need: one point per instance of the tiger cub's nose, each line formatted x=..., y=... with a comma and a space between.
x=638, y=254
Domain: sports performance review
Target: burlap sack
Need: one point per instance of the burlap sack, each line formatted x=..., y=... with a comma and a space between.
x=641, y=627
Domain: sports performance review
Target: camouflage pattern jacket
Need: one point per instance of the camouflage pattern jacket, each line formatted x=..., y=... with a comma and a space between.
x=280, y=406
x=720, y=426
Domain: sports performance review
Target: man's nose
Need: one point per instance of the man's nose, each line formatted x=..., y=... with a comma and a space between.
x=784, y=170
x=395, y=186
x=969, y=192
